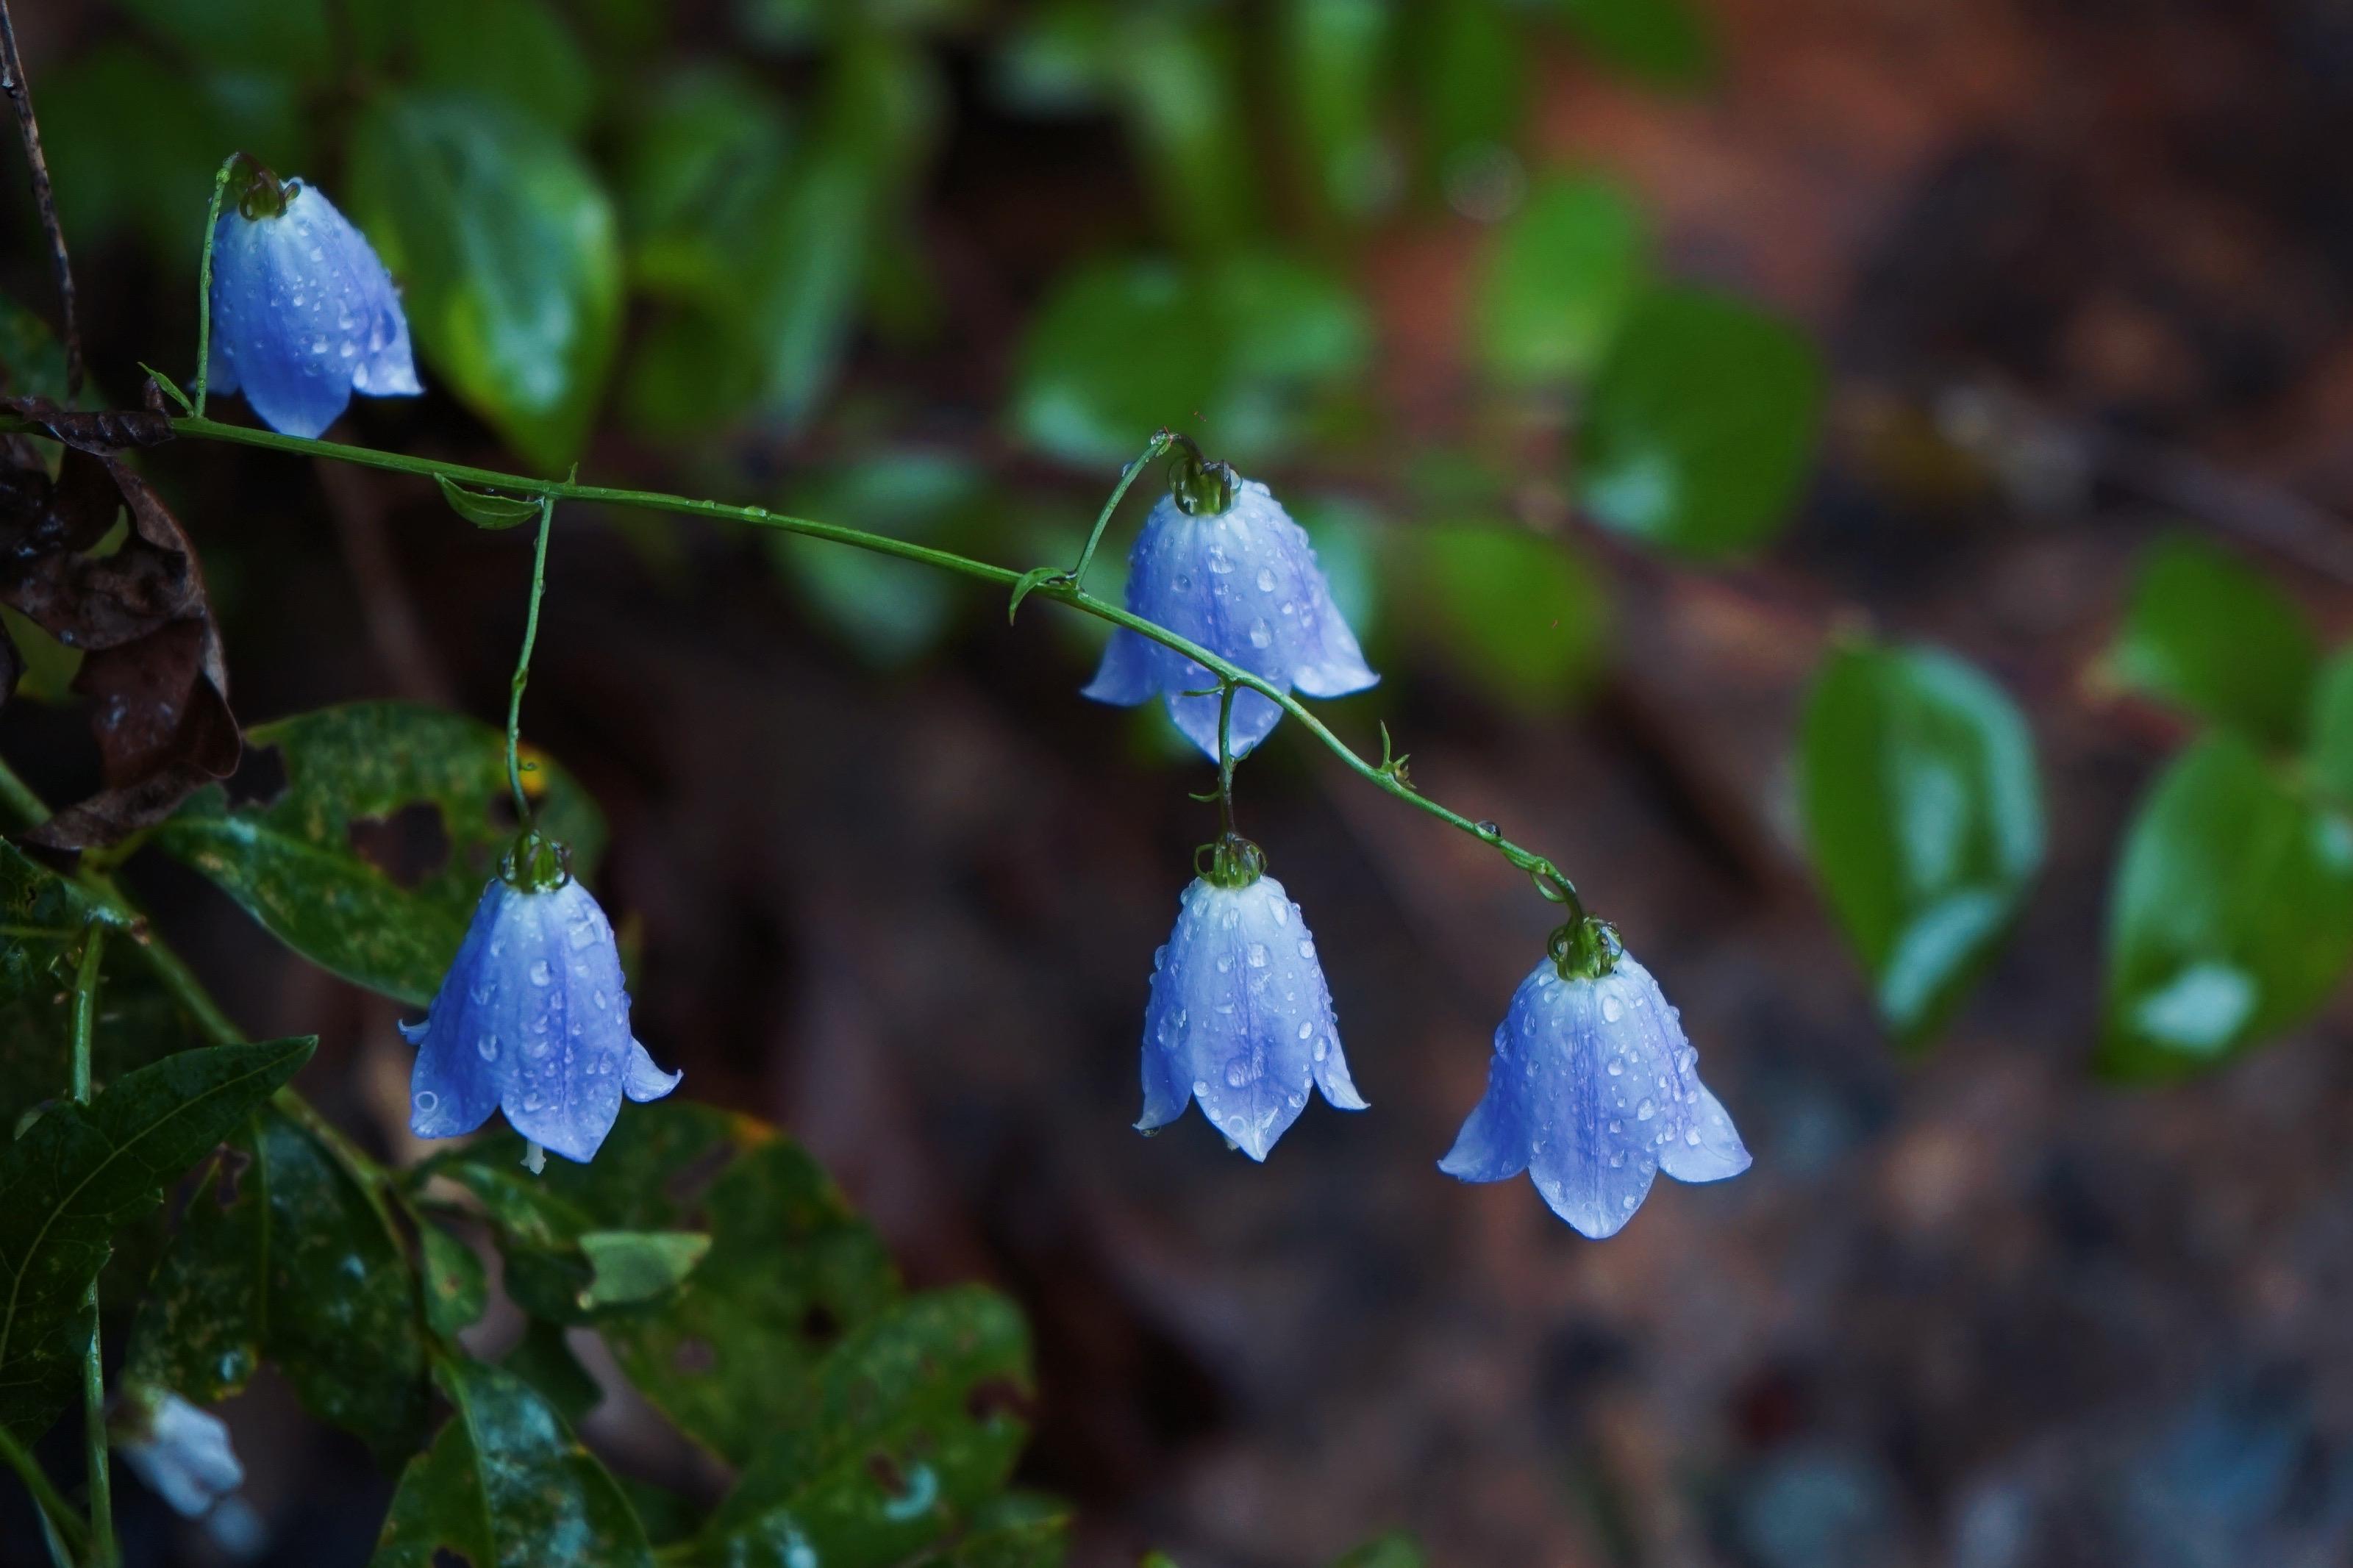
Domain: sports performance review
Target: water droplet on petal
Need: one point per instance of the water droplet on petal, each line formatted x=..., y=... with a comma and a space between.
x=1261, y=634
x=540, y=973
x=1258, y=955
x=489, y=1045
x=1265, y=581
x=1615, y=1067
x=426, y=1100
x=1692, y=1137
x=1306, y=1029
x=1611, y=1008
x=1644, y=1112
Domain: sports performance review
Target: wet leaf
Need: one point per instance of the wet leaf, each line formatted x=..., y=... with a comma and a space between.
x=2330, y=752
x=543, y=1359
x=2231, y=913
x=77, y=1174
x=486, y=508
x=424, y=790
x=153, y=664
x=506, y=1485
x=2211, y=635
x=1016, y=1531
x=457, y=1292
x=888, y=612
x=43, y=921
x=1699, y=426
x=1924, y=818
x=281, y=1258
x=915, y=1419
x=505, y=246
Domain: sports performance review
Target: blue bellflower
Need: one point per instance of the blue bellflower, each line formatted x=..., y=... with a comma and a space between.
x=303, y=313
x=532, y=1020
x=1592, y=1091
x=1242, y=583
x=1240, y=1018
x=182, y=1453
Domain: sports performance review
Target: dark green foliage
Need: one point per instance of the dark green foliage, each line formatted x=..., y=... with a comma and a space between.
x=77, y=1174
x=297, y=862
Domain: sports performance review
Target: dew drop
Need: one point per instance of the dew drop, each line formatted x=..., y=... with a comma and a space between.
x=540, y=973
x=1282, y=914
x=1644, y=1112
x=489, y=1045
x=1627, y=1203
x=1225, y=962
x=1611, y=1010
x=1238, y=1073
x=1487, y=830
x=1322, y=1048
x=1265, y=581
x=1258, y=955
x=1200, y=1087
x=1306, y=1029
x=1306, y=947
x=1261, y=634
x=1692, y=1137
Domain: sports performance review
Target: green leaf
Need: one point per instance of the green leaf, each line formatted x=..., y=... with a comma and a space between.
x=457, y=1292
x=1560, y=278
x=506, y=1485
x=505, y=246
x=518, y=52
x=2210, y=635
x=81, y=1173
x=486, y=509
x=916, y=1419
x=709, y=149
x=1924, y=817
x=1470, y=63
x=1661, y=43
x=790, y=1269
x=32, y=361
x=1335, y=57
x=1014, y=1530
x=1117, y=352
x=1395, y=1550
x=2231, y=913
x=2330, y=752
x=356, y=775
x=288, y=36
x=631, y=1267
x=49, y=665
x=1523, y=616
x=889, y=611
x=1701, y=424
x=543, y=1359
x=43, y=917
x=281, y=1256
x=1290, y=325
x=1175, y=70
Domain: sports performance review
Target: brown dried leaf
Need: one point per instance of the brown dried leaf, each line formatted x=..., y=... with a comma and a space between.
x=154, y=670
x=99, y=430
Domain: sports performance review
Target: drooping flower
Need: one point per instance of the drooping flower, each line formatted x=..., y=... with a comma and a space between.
x=1240, y=1018
x=1243, y=582
x=303, y=313
x=1592, y=1091
x=533, y=1020
x=182, y=1452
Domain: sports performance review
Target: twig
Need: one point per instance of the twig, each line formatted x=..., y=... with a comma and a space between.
x=20, y=93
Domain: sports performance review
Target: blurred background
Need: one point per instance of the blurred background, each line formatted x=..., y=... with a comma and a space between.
x=1627, y=359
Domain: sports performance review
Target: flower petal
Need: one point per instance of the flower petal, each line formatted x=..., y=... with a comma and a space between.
x=1254, y=718
x=641, y=1081
x=1125, y=677
x=1493, y=1143
x=1709, y=1149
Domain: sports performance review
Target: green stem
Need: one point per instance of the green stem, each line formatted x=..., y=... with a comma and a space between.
x=53, y=1505
x=205, y=283
x=1547, y=876
x=93, y=1373
x=1226, y=757
x=522, y=661
x=1160, y=443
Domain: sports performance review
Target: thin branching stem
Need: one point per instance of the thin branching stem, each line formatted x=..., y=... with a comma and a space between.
x=93, y=1372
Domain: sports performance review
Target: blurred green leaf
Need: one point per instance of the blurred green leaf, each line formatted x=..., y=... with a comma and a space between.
x=889, y=611
x=1176, y=69
x=1014, y=1530
x=505, y=246
x=281, y=1256
x=377, y=776
x=543, y=1359
x=1395, y=1550
x=1117, y=351
x=139, y=1021
x=1055, y=58
x=1699, y=426
x=1558, y=278
x=1471, y=61
x=506, y=1485
x=1335, y=56
x=1343, y=532
x=1520, y=615
x=709, y=147
x=48, y=665
x=1662, y=43
x=2231, y=913
x=2209, y=634
x=32, y=361
x=517, y=52
x=1290, y=323
x=457, y=1291
x=631, y=1267
x=288, y=36
x=2330, y=750
x=81, y=1173
x=915, y=1420
x=1924, y=818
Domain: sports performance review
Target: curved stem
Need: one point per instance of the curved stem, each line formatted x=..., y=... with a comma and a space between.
x=1226, y=757
x=523, y=661
x=205, y=283
x=1160, y=443
x=53, y=1505
x=1547, y=876
x=93, y=1373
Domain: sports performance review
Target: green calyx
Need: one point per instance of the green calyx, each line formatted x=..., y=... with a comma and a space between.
x=1584, y=949
x=1202, y=488
x=535, y=863
x=1233, y=862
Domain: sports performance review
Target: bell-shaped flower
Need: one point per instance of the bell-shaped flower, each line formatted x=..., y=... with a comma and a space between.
x=1593, y=1092
x=303, y=313
x=532, y=1019
x=1244, y=584
x=182, y=1452
x=1240, y=1017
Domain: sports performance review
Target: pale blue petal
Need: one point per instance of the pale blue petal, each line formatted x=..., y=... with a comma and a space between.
x=1254, y=718
x=185, y=1457
x=303, y=312
x=641, y=1081
x=1241, y=1017
x=1125, y=677
x=1492, y=1145
x=1709, y=1149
